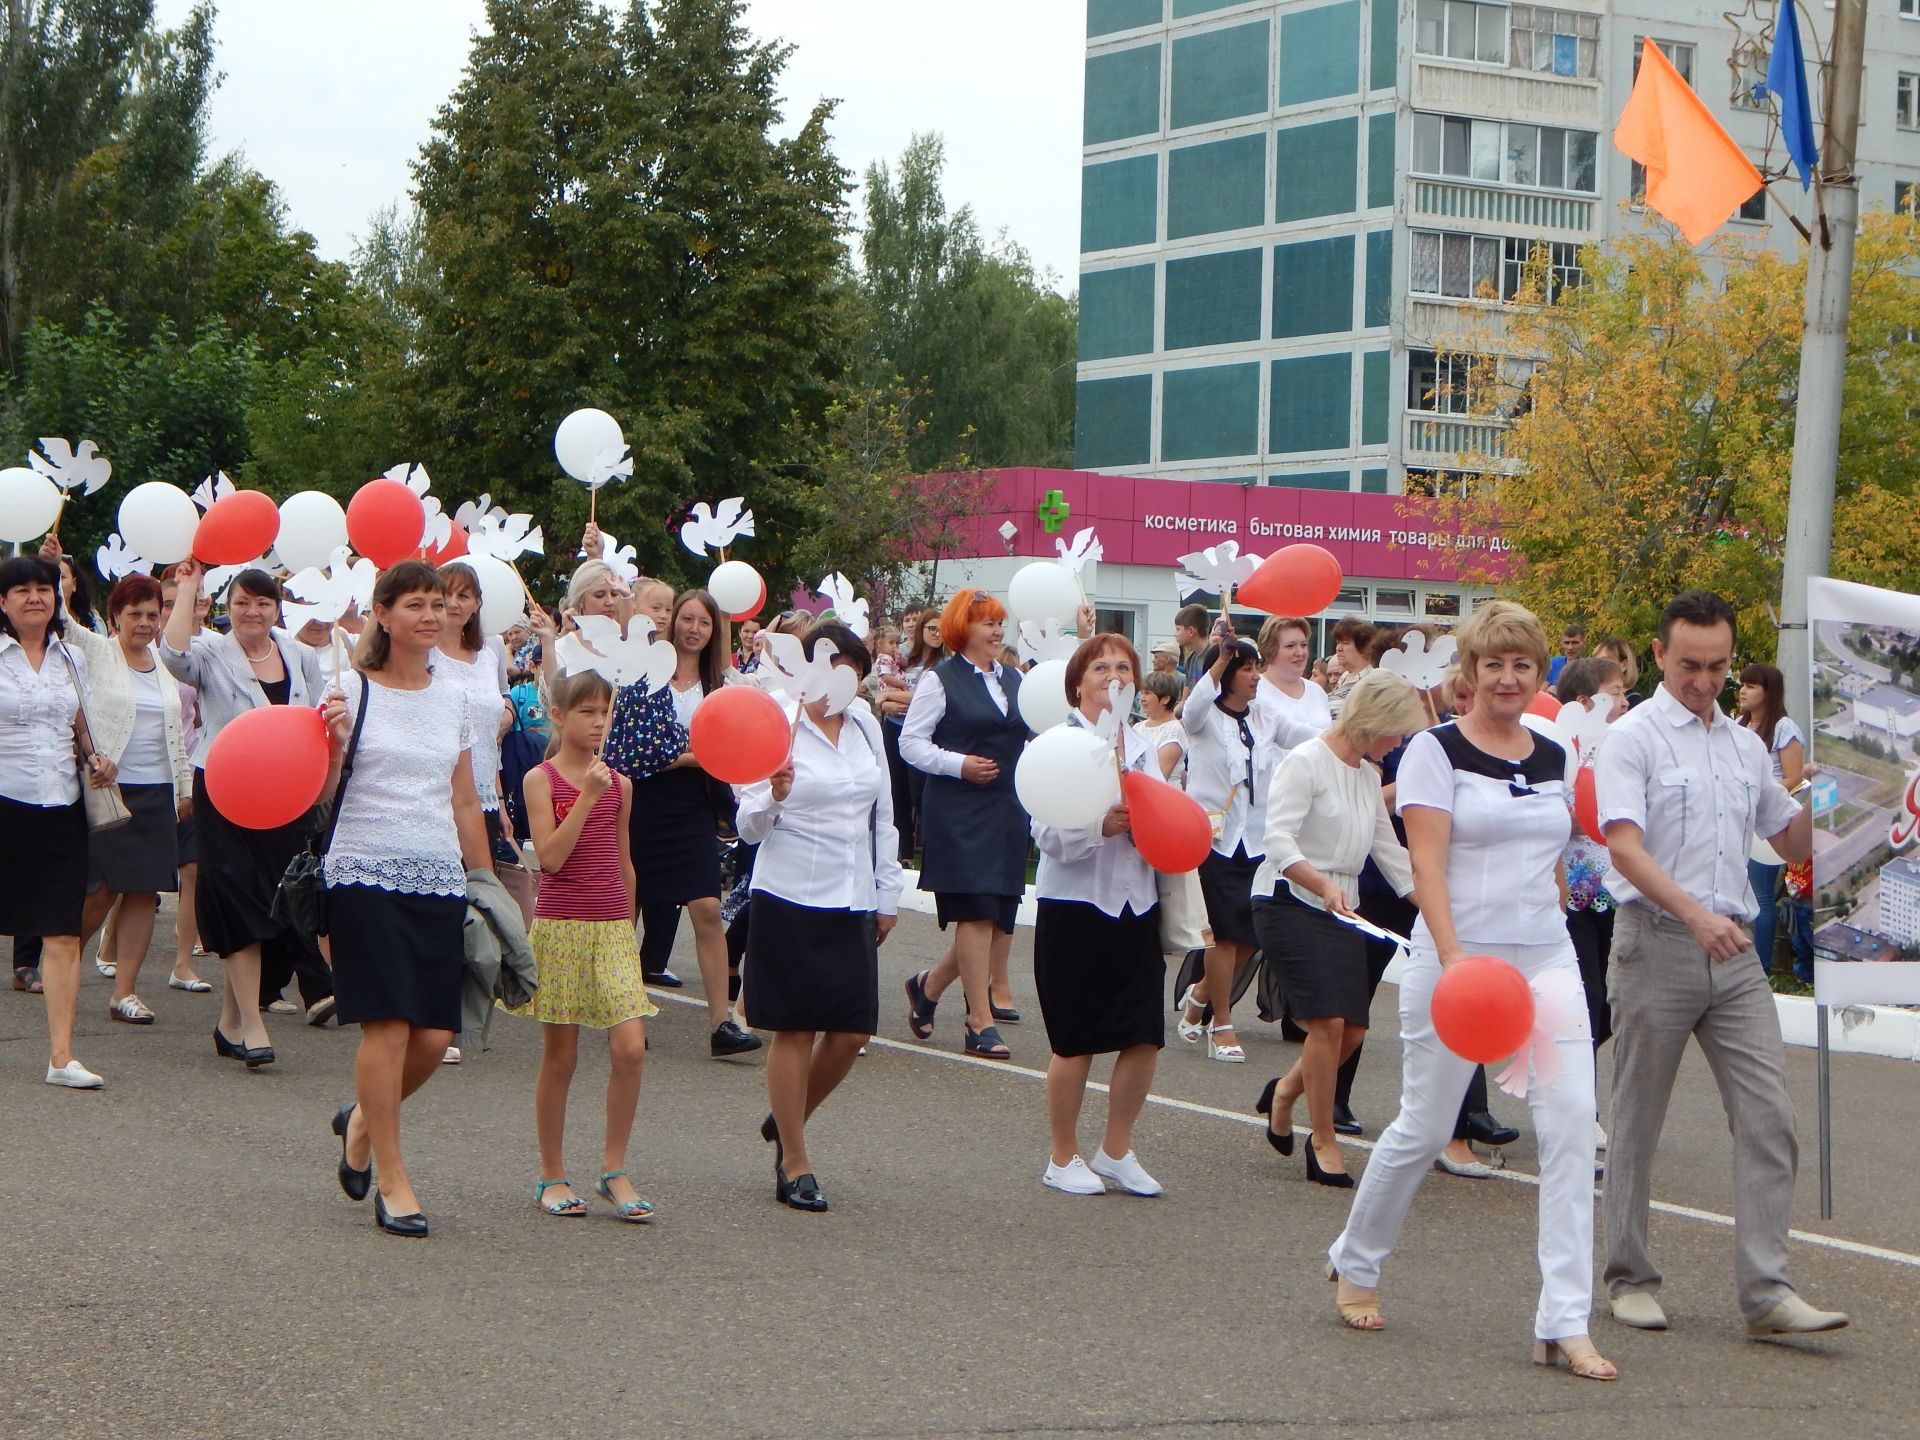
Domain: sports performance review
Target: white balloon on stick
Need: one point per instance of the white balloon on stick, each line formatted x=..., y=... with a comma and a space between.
x=1043, y=695
x=1045, y=590
x=312, y=527
x=503, y=597
x=29, y=504
x=582, y=438
x=734, y=585
x=158, y=520
x=1066, y=778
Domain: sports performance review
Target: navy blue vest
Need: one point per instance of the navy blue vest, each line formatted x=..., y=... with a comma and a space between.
x=976, y=837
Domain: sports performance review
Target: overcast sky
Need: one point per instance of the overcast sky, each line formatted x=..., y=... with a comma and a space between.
x=331, y=101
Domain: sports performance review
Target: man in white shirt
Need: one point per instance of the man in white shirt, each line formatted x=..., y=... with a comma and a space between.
x=1683, y=791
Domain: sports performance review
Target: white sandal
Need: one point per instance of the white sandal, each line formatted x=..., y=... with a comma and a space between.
x=1190, y=1030
x=1232, y=1054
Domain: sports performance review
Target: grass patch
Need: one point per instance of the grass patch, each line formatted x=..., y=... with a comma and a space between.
x=1785, y=984
x=1843, y=818
x=1889, y=776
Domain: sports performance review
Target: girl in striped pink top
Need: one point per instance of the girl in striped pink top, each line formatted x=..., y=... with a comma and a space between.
x=582, y=937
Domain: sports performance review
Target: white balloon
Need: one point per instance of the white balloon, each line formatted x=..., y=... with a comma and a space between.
x=503, y=600
x=158, y=520
x=583, y=437
x=734, y=585
x=1043, y=695
x=1066, y=778
x=312, y=527
x=29, y=504
x=1042, y=591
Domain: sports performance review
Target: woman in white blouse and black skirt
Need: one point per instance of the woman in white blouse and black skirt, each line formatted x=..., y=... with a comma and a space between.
x=826, y=891
x=408, y=830
x=1096, y=952
x=1325, y=816
x=1484, y=801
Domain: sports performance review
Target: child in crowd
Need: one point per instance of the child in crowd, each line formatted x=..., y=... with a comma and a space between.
x=582, y=936
x=886, y=653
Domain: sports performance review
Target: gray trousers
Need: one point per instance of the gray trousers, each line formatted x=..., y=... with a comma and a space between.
x=1664, y=988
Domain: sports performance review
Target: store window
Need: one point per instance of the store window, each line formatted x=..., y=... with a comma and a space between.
x=1393, y=603
x=1352, y=597
x=1443, y=606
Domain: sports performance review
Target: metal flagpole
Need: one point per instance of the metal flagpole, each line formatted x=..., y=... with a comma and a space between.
x=1826, y=1115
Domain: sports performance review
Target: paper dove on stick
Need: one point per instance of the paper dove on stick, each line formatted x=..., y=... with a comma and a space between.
x=115, y=561
x=505, y=537
x=328, y=594
x=439, y=526
x=1215, y=569
x=625, y=659
x=808, y=680
x=1050, y=640
x=1414, y=663
x=715, y=529
x=1120, y=700
x=472, y=512
x=1579, y=729
x=851, y=611
x=215, y=487
x=1084, y=547
x=68, y=466
x=613, y=463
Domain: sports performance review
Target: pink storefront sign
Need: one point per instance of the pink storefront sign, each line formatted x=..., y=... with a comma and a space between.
x=1154, y=522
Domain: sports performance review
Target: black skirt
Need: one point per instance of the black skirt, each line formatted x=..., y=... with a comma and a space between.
x=139, y=857
x=1322, y=964
x=676, y=849
x=186, y=841
x=43, y=880
x=397, y=956
x=952, y=909
x=1226, y=884
x=240, y=870
x=1101, y=979
x=809, y=969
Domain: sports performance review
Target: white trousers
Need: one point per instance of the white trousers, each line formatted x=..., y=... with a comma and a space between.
x=1433, y=1082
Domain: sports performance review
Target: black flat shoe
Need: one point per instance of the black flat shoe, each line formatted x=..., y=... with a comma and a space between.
x=800, y=1193
x=665, y=979
x=729, y=1039
x=225, y=1048
x=1345, y=1122
x=770, y=1133
x=1336, y=1180
x=355, y=1182
x=1005, y=1014
x=1483, y=1127
x=1264, y=1106
x=411, y=1227
x=255, y=1058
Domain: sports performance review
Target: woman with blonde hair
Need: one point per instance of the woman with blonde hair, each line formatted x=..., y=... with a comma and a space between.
x=1325, y=817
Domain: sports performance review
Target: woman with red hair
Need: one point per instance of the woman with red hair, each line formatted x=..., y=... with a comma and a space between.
x=965, y=732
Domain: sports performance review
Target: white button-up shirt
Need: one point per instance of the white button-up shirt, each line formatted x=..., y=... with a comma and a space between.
x=1228, y=776
x=927, y=710
x=1699, y=793
x=37, y=709
x=1104, y=871
x=831, y=844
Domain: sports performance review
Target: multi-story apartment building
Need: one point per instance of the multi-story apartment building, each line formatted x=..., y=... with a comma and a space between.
x=1900, y=902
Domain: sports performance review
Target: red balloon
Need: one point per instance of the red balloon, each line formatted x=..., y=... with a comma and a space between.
x=1170, y=830
x=386, y=522
x=1544, y=705
x=455, y=547
x=740, y=735
x=266, y=768
x=1586, y=804
x=753, y=609
x=1482, y=1009
x=1296, y=580
x=236, y=528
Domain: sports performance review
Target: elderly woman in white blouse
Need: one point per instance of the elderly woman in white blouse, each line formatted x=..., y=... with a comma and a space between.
x=1096, y=952
x=1325, y=816
x=826, y=892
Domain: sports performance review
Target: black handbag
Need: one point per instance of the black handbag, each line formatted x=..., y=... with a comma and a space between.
x=300, y=900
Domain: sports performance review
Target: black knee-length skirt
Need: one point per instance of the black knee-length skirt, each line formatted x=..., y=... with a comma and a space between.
x=43, y=879
x=1226, y=884
x=141, y=855
x=811, y=969
x=1322, y=964
x=672, y=830
x=1101, y=978
x=397, y=956
x=240, y=870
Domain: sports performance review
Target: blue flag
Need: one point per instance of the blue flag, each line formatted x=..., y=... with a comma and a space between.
x=1787, y=78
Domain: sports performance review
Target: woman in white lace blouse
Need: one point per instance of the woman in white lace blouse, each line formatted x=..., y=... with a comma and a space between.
x=409, y=829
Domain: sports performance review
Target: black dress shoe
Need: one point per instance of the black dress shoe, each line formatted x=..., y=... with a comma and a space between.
x=1264, y=1106
x=729, y=1039
x=1483, y=1127
x=1005, y=1014
x=412, y=1227
x=770, y=1133
x=665, y=979
x=1345, y=1123
x=800, y=1193
x=1334, y=1179
x=255, y=1057
x=225, y=1048
x=355, y=1182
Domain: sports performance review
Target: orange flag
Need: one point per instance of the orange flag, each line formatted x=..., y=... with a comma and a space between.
x=1696, y=175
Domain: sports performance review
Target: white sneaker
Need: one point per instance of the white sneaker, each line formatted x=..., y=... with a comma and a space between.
x=1599, y=1136
x=74, y=1076
x=131, y=1009
x=106, y=967
x=1127, y=1172
x=283, y=1006
x=1073, y=1177
x=452, y=1057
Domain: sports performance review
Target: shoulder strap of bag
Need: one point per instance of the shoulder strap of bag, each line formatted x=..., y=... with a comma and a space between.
x=346, y=767
x=79, y=691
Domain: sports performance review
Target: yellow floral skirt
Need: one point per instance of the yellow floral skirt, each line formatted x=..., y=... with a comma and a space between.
x=589, y=975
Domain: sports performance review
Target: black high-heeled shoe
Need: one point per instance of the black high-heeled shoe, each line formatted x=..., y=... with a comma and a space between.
x=225, y=1048
x=1264, y=1106
x=770, y=1132
x=355, y=1182
x=255, y=1056
x=800, y=1193
x=411, y=1227
x=1333, y=1179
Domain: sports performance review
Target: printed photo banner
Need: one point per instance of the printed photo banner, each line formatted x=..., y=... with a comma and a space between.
x=1866, y=794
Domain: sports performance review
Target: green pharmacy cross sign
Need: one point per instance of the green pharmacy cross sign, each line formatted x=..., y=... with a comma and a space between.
x=1054, y=511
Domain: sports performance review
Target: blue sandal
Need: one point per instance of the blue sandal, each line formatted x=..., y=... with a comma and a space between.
x=636, y=1209
x=572, y=1205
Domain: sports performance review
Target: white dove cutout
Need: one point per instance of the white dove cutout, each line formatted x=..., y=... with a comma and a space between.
x=613, y=463
x=218, y=579
x=215, y=487
x=1120, y=700
x=848, y=609
x=623, y=659
x=809, y=680
x=67, y=465
x=115, y=561
x=1414, y=663
x=623, y=560
x=505, y=537
x=1215, y=568
x=439, y=526
x=1085, y=547
x=472, y=512
x=1579, y=730
x=717, y=528
x=1049, y=640
x=328, y=594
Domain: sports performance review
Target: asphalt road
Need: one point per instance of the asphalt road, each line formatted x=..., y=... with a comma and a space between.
x=180, y=1262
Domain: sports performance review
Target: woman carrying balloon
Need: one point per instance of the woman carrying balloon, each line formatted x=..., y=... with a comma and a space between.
x=1096, y=946
x=408, y=830
x=255, y=665
x=1484, y=801
x=964, y=732
x=1325, y=817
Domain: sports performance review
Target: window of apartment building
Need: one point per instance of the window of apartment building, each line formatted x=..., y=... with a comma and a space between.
x=1907, y=101
x=1554, y=42
x=1542, y=156
x=1905, y=196
x=1429, y=484
x=1910, y=9
x=1754, y=207
x=1559, y=266
x=1465, y=267
x=1440, y=384
x=1462, y=30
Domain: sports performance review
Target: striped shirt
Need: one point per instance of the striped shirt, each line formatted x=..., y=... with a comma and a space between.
x=589, y=885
